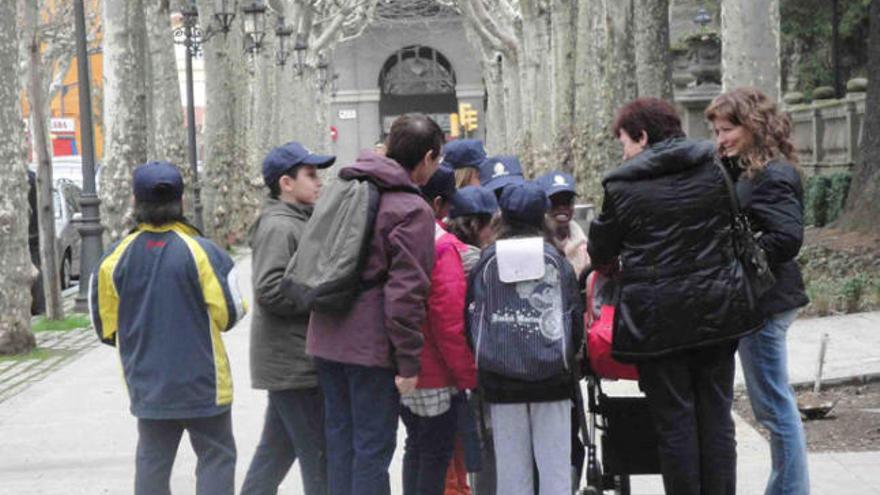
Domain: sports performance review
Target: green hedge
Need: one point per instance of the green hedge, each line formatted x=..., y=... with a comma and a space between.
x=824, y=197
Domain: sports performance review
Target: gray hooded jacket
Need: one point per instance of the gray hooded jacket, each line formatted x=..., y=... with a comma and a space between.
x=278, y=329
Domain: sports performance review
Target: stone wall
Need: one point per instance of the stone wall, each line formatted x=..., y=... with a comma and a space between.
x=827, y=133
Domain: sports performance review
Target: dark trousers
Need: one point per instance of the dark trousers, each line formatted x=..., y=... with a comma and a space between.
x=484, y=481
x=294, y=429
x=361, y=407
x=212, y=441
x=428, y=450
x=690, y=395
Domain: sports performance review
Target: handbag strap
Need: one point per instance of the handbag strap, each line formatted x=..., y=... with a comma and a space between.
x=731, y=190
x=591, y=290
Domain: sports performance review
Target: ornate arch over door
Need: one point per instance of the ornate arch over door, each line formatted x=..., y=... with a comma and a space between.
x=417, y=79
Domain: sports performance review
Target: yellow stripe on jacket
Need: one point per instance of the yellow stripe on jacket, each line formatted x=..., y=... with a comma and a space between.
x=108, y=295
x=218, y=314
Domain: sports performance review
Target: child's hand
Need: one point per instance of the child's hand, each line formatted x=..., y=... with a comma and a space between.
x=405, y=385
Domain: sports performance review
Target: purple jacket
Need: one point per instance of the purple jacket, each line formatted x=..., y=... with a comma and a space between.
x=383, y=328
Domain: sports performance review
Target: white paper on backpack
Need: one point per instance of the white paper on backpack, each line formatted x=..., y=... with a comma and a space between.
x=520, y=259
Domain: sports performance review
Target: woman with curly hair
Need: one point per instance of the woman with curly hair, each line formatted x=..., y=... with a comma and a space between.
x=754, y=140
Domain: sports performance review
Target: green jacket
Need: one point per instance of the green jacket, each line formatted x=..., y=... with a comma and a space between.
x=278, y=330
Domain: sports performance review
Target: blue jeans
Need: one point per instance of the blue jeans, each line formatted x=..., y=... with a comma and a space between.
x=361, y=407
x=294, y=429
x=428, y=450
x=212, y=440
x=764, y=361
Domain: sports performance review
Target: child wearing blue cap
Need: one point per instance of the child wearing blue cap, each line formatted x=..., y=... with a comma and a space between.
x=525, y=320
x=295, y=408
x=162, y=295
x=470, y=219
x=465, y=157
x=566, y=235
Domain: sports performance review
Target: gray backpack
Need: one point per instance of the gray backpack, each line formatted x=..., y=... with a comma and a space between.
x=325, y=272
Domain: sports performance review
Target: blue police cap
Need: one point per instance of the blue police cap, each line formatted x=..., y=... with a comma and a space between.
x=499, y=171
x=157, y=182
x=473, y=200
x=556, y=182
x=442, y=184
x=464, y=153
x=285, y=157
x=525, y=203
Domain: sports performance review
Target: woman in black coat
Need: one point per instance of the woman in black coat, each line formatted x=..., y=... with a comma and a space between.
x=665, y=231
x=753, y=137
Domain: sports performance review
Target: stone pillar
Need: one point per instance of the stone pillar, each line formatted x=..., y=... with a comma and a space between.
x=750, y=41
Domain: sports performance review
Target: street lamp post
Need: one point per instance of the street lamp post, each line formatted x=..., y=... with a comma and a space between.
x=89, y=225
x=190, y=37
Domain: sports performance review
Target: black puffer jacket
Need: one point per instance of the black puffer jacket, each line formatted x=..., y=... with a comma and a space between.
x=774, y=201
x=666, y=217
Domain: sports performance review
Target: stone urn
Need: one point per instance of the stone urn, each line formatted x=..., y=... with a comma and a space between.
x=705, y=57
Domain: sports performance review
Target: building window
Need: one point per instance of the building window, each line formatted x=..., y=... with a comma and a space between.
x=417, y=70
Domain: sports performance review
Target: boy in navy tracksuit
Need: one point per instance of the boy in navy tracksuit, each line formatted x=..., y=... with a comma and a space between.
x=162, y=295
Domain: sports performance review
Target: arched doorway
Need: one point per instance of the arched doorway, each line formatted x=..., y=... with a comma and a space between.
x=417, y=79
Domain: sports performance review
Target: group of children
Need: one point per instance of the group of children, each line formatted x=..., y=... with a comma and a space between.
x=505, y=320
x=503, y=323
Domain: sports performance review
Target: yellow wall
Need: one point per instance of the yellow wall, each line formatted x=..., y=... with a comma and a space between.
x=65, y=104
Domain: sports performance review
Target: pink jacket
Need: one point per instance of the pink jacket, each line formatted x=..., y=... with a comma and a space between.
x=446, y=358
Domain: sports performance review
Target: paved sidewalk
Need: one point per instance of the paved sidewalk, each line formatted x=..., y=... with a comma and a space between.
x=71, y=433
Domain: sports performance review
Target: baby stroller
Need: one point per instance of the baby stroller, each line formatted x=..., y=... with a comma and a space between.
x=622, y=424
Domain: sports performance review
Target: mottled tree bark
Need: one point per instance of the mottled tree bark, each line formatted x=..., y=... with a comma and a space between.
x=606, y=57
x=15, y=262
x=863, y=203
x=751, y=45
x=166, y=117
x=564, y=20
x=653, y=58
x=40, y=146
x=125, y=110
x=225, y=148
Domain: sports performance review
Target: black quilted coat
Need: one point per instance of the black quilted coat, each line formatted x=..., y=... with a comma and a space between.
x=665, y=230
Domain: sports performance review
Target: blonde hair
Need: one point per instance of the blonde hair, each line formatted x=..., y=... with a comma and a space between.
x=465, y=175
x=770, y=129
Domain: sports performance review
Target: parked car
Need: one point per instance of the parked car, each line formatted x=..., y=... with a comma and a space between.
x=70, y=168
x=65, y=203
x=65, y=197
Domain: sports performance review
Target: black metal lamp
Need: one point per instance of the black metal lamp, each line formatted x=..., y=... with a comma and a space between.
x=282, y=34
x=300, y=47
x=255, y=23
x=322, y=71
x=224, y=12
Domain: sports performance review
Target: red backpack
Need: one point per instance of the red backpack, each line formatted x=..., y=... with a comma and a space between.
x=599, y=336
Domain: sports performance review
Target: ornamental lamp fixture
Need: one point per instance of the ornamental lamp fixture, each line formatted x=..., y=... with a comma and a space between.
x=300, y=47
x=224, y=12
x=703, y=18
x=255, y=23
x=322, y=70
x=282, y=34
x=190, y=15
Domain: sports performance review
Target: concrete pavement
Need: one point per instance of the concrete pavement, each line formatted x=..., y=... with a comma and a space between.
x=71, y=433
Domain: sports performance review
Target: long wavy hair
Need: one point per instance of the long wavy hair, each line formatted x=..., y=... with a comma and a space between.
x=770, y=128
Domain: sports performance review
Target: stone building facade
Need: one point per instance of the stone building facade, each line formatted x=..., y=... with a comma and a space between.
x=423, y=63
x=417, y=57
